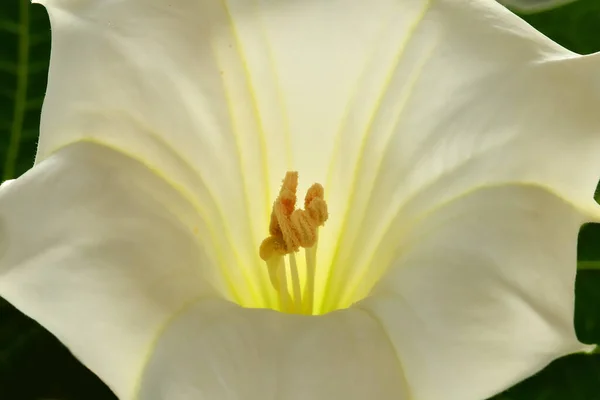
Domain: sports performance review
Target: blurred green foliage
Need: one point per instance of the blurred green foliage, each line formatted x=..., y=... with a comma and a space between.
x=34, y=365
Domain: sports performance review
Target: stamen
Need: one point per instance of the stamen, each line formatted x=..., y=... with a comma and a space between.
x=309, y=289
x=283, y=208
x=295, y=283
x=277, y=275
x=285, y=302
x=290, y=229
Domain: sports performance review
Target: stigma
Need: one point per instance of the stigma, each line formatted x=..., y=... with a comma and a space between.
x=292, y=229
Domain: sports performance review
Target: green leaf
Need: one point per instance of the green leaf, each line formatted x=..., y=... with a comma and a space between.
x=24, y=55
x=589, y=265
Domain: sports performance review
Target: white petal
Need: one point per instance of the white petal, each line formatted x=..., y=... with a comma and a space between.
x=220, y=96
x=383, y=101
x=224, y=96
x=219, y=351
x=208, y=80
x=483, y=288
x=101, y=252
x=104, y=254
x=478, y=98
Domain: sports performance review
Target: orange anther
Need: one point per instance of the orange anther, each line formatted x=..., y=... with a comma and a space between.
x=315, y=191
x=292, y=228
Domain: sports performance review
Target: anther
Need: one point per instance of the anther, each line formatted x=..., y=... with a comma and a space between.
x=289, y=230
x=271, y=246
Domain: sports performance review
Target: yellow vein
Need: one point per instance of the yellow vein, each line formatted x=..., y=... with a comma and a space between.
x=368, y=130
x=413, y=80
x=182, y=191
x=347, y=110
x=286, y=124
x=262, y=136
x=281, y=99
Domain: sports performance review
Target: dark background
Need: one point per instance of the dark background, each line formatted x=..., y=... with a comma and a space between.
x=35, y=366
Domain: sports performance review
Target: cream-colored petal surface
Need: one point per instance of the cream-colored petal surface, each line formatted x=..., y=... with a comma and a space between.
x=102, y=252
x=115, y=263
x=481, y=292
x=221, y=96
x=216, y=350
x=382, y=101
x=477, y=98
x=144, y=77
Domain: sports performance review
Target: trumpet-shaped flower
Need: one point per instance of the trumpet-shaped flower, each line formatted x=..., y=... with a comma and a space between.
x=305, y=199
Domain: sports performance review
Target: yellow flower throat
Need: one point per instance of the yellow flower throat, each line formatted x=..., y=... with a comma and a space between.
x=289, y=230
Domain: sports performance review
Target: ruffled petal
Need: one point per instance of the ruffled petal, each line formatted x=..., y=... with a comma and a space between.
x=482, y=287
x=102, y=252
x=222, y=97
x=112, y=260
x=381, y=101
x=477, y=98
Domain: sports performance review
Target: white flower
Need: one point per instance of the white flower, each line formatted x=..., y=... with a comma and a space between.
x=458, y=151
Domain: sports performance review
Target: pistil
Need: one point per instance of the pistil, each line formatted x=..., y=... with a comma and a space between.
x=289, y=230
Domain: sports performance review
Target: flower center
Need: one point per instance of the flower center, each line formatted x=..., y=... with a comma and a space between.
x=289, y=230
